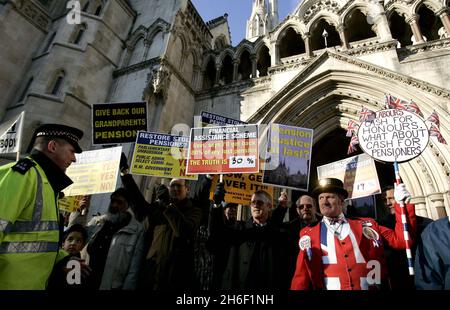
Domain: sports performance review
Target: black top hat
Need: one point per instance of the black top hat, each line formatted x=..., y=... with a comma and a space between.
x=330, y=185
x=229, y=205
x=70, y=134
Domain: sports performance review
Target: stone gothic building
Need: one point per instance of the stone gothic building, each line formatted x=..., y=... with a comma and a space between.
x=314, y=69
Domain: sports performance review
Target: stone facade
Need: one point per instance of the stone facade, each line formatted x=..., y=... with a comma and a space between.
x=314, y=69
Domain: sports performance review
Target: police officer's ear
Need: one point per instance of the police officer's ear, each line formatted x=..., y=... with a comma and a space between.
x=52, y=146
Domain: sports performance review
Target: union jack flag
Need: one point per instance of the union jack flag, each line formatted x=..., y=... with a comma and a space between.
x=366, y=115
x=434, y=118
x=352, y=126
x=389, y=103
x=396, y=103
x=414, y=108
x=434, y=132
x=352, y=146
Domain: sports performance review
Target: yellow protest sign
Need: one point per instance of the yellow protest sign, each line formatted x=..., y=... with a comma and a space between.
x=94, y=172
x=240, y=187
x=161, y=155
x=69, y=203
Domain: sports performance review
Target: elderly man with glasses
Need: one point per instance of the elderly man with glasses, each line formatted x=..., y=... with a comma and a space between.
x=306, y=208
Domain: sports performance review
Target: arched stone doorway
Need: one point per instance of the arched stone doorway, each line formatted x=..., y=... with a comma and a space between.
x=326, y=100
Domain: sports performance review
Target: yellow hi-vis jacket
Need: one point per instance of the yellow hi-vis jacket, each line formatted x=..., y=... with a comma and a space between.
x=29, y=231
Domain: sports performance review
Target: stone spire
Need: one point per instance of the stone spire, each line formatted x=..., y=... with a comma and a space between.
x=263, y=19
x=273, y=14
x=257, y=24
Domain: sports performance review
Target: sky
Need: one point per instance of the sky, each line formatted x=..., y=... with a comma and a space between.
x=238, y=13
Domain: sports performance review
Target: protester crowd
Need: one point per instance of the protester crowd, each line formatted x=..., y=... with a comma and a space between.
x=182, y=240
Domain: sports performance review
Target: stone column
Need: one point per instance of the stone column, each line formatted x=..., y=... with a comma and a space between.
x=307, y=40
x=254, y=65
x=382, y=25
x=275, y=54
x=445, y=19
x=235, y=69
x=413, y=22
x=341, y=31
x=421, y=206
x=437, y=200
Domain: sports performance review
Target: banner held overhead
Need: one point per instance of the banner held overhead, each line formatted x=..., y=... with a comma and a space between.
x=161, y=155
x=393, y=135
x=288, y=157
x=118, y=122
x=225, y=149
x=94, y=172
x=358, y=173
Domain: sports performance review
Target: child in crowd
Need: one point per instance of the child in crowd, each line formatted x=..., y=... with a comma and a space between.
x=74, y=240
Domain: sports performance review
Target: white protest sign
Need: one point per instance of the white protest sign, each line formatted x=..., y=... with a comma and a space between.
x=11, y=134
x=394, y=135
x=94, y=172
x=358, y=173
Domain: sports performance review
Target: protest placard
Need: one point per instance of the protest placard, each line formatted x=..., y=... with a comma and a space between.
x=11, y=134
x=211, y=119
x=118, y=122
x=69, y=203
x=226, y=149
x=240, y=187
x=161, y=155
x=289, y=157
x=358, y=173
x=94, y=172
x=393, y=135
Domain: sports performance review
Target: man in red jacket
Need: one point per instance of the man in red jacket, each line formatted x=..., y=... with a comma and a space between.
x=340, y=253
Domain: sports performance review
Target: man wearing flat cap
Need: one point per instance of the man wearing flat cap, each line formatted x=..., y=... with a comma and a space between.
x=30, y=188
x=340, y=253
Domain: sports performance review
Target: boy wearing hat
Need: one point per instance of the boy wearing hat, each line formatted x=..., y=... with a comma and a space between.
x=29, y=228
x=340, y=253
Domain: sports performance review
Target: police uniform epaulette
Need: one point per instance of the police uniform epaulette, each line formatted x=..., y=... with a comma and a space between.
x=23, y=165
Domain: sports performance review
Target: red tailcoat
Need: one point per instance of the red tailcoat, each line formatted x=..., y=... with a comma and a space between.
x=312, y=266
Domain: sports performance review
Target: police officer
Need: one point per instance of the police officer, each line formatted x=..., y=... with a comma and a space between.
x=30, y=188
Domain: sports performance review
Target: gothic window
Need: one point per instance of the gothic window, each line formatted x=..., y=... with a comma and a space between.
x=58, y=81
x=429, y=23
x=400, y=30
x=98, y=10
x=357, y=27
x=177, y=52
x=245, y=66
x=263, y=61
x=49, y=41
x=226, y=71
x=291, y=44
x=25, y=90
x=85, y=7
x=188, y=67
x=78, y=34
x=156, y=48
x=138, y=52
x=318, y=41
x=209, y=74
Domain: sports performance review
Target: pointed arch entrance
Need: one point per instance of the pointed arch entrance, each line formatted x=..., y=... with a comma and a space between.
x=325, y=101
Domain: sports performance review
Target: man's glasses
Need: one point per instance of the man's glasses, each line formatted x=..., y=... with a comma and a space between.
x=176, y=186
x=307, y=206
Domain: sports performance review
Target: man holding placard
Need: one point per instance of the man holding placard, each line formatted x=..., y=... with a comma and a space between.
x=342, y=253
